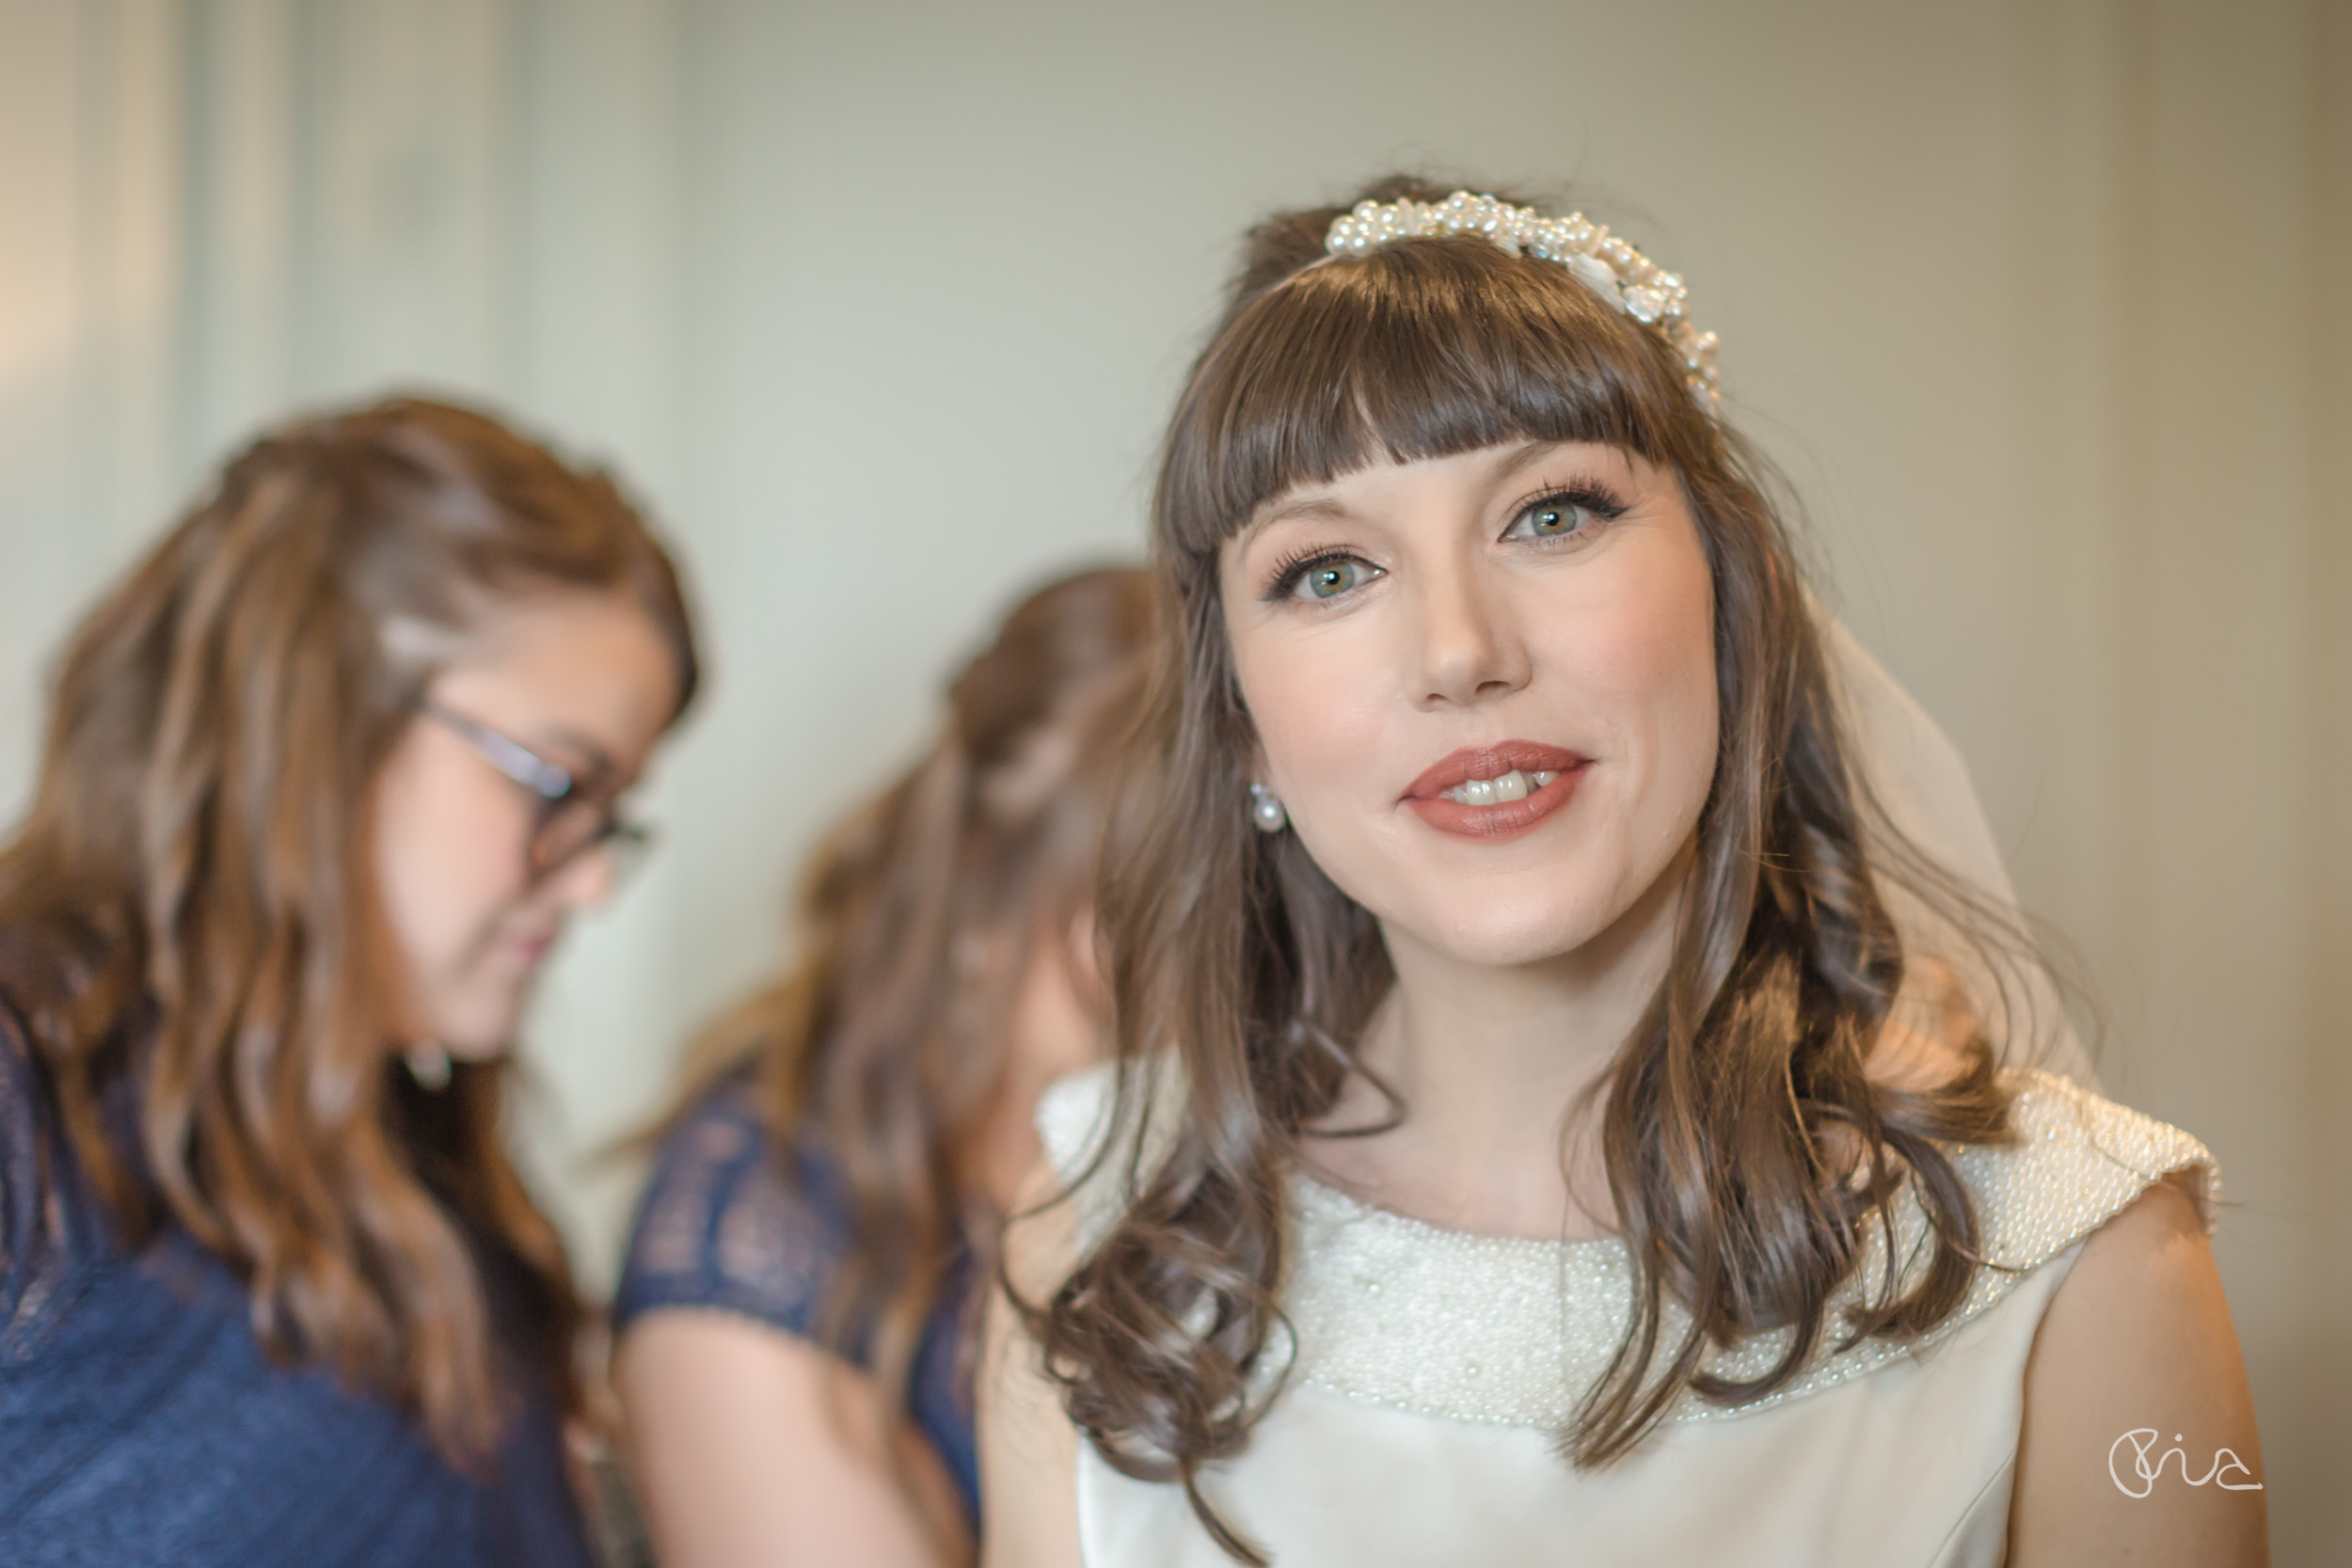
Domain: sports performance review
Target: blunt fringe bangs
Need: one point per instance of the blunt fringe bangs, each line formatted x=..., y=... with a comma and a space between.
x=1425, y=348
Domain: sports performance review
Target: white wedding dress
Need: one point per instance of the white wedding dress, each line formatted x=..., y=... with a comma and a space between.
x=1433, y=1370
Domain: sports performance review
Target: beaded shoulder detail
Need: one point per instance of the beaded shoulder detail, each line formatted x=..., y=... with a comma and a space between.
x=1511, y=1331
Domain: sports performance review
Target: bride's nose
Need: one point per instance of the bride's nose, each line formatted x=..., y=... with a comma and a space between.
x=1469, y=643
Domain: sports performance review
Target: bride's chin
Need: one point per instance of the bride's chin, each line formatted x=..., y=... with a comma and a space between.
x=1546, y=918
x=1475, y=937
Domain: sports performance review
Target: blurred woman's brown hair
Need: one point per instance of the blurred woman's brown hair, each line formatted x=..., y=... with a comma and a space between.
x=189, y=925
x=1726, y=1118
x=889, y=1039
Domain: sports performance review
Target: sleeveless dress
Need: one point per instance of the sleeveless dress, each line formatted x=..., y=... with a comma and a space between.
x=1433, y=1368
x=141, y=1422
x=733, y=1221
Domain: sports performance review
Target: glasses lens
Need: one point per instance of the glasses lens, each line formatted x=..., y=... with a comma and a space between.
x=578, y=828
x=566, y=834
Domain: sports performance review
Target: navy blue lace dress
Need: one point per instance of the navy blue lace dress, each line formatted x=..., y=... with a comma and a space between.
x=140, y=1422
x=729, y=1223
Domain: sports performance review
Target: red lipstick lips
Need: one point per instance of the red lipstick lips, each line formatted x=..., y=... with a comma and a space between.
x=1504, y=819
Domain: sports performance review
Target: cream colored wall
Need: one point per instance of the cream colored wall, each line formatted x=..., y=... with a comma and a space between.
x=2042, y=306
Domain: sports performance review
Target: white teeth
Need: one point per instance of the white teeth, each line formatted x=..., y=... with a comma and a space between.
x=1514, y=786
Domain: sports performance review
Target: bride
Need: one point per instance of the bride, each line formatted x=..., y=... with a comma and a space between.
x=1561, y=1114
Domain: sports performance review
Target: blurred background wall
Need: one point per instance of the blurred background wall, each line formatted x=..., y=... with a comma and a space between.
x=2042, y=304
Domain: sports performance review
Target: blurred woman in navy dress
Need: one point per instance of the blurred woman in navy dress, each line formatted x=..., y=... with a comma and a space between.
x=325, y=777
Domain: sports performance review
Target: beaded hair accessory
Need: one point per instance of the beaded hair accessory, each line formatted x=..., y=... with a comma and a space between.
x=1603, y=263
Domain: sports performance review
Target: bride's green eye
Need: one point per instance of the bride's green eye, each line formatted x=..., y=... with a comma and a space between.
x=1329, y=579
x=1553, y=518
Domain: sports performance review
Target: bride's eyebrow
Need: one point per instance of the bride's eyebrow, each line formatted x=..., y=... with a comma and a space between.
x=1310, y=508
x=1528, y=452
x=1601, y=462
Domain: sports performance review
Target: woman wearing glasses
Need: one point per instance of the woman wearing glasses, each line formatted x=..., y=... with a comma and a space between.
x=325, y=777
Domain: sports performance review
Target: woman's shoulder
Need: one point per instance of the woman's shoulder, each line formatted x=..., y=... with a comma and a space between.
x=735, y=1216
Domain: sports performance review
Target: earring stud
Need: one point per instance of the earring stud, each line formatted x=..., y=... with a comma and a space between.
x=1266, y=812
x=429, y=1065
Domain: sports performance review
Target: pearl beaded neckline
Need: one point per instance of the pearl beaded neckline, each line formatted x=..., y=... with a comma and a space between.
x=1511, y=1331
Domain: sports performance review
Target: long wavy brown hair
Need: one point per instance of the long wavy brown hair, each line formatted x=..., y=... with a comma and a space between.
x=1720, y=1118
x=188, y=923
x=888, y=1042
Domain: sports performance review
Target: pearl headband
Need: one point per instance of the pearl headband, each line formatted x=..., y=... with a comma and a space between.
x=1603, y=263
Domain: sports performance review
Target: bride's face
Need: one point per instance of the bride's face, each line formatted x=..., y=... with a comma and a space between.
x=1483, y=688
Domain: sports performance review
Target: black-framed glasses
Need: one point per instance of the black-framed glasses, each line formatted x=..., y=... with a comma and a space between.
x=573, y=820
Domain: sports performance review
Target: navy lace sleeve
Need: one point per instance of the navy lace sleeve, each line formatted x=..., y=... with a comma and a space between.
x=722, y=1226
x=733, y=1222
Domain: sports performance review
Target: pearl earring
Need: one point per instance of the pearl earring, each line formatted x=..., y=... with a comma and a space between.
x=428, y=1064
x=1266, y=811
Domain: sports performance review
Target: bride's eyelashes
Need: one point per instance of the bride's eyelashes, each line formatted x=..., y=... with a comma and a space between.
x=1565, y=511
x=1318, y=574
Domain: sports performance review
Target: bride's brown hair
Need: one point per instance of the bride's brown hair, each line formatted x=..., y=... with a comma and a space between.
x=1720, y=1125
x=188, y=922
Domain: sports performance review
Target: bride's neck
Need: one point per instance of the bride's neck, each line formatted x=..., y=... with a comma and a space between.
x=1489, y=1062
